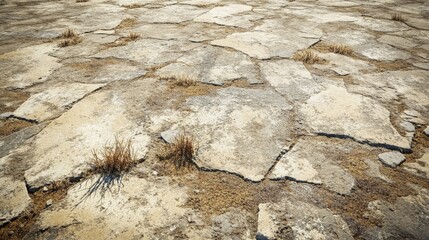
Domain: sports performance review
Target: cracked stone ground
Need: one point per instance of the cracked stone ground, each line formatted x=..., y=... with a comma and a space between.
x=334, y=148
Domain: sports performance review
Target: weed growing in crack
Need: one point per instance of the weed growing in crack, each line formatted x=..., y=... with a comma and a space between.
x=180, y=80
x=182, y=152
x=398, y=17
x=114, y=160
x=133, y=36
x=340, y=49
x=69, y=37
x=307, y=56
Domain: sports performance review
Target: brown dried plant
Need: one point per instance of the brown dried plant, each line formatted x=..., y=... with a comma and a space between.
x=307, y=56
x=340, y=48
x=182, y=152
x=115, y=159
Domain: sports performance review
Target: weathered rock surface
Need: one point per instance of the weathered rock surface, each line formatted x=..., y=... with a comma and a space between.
x=227, y=15
x=396, y=41
x=421, y=166
x=374, y=170
x=63, y=149
x=290, y=219
x=213, y=65
x=413, y=210
x=343, y=65
x=391, y=159
x=27, y=66
x=382, y=52
x=238, y=130
x=426, y=131
x=14, y=198
x=355, y=116
x=52, y=102
x=313, y=161
x=290, y=78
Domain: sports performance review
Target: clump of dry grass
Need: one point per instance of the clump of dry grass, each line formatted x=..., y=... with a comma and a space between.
x=182, y=152
x=180, y=80
x=134, y=5
x=69, y=42
x=307, y=56
x=340, y=48
x=133, y=36
x=69, y=37
x=69, y=33
x=80, y=1
x=115, y=159
x=398, y=17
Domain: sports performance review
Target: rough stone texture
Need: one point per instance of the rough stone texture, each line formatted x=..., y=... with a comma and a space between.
x=170, y=14
x=355, y=116
x=290, y=78
x=212, y=65
x=426, y=131
x=227, y=15
x=160, y=51
x=396, y=41
x=52, y=102
x=421, y=166
x=381, y=52
x=407, y=126
x=271, y=40
x=14, y=198
x=238, y=130
x=374, y=170
x=313, y=161
x=343, y=65
x=413, y=210
x=63, y=148
x=300, y=220
x=27, y=66
x=391, y=159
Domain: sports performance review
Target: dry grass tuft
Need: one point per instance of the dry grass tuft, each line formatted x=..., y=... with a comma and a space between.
x=69, y=37
x=114, y=160
x=69, y=42
x=182, y=152
x=180, y=80
x=398, y=17
x=340, y=48
x=69, y=33
x=307, y=56
x=133, y=36
x=80, y=1
x=134, y=5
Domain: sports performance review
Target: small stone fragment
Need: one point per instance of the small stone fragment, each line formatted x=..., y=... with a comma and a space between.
x=392, y=159
x=407, y=126
x=426, y=131
x=49, y=203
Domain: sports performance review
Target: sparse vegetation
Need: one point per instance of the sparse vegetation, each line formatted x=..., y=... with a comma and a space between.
x=69, y=37
x=180, y=80
x=398, y=17
x=115, y=159
x=10, y=126
x=307, y=56
x=69, y=33
x=181, y=152
x=340, y=48
x=80, y=1
x=127, y=22
x=134, y=5
x=133, y=36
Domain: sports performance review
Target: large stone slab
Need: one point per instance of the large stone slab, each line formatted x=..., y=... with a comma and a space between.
x=290, y=78
x=148, y=51
x=53, y=101
x=27, y=66
x=411, y=87
x=293, y=219
x=313, y=161
x=273, y=38
x=336, y=112
x=170, y=14
x=241, y=131
x=406, y=217
x=381, y=52
x=343, y=65
x=63, y=149
x=14, y=198
x=213, y=65
x=228, y=15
